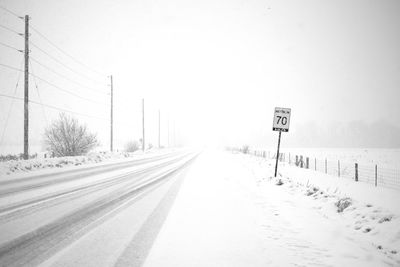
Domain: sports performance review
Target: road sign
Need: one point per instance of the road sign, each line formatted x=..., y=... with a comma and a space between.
x=281, y=124
x=281, y=119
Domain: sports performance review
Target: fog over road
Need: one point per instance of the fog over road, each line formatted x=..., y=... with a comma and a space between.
x=105, y=211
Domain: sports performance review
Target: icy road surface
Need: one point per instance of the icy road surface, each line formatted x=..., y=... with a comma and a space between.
x=175, y=209
x=90, y=216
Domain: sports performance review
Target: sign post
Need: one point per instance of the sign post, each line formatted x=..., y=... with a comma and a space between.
x=281, y=124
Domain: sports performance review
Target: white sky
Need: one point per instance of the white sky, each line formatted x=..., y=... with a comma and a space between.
x=216, y=68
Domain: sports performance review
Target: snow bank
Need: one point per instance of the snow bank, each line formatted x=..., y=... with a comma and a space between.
x=23, y=166
x=370, y=213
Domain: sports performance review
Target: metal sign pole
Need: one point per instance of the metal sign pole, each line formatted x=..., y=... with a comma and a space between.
x=277, y=153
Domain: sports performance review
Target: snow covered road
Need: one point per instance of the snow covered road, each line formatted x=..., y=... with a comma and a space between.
x=44, y=216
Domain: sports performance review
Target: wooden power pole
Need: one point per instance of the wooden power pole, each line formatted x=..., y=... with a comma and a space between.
x=26, y=90
x=112, y=115
x=143, y=141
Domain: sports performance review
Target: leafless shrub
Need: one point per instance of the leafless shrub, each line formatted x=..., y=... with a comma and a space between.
x=67, y=137
x=132, y=146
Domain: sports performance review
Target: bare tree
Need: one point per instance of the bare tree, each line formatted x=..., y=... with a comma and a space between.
x=67, y=137
x=132, y=146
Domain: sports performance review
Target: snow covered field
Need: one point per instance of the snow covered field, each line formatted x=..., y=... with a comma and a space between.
x=380, y=167
x=231, y=212
x=389, y=158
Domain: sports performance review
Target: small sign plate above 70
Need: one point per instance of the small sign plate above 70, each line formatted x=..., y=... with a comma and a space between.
x=281, y=119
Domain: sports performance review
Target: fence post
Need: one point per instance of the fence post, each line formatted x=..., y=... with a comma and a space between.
x=307, y=163
x=315, y=164
x=301, y=161
x=338, y=167
x=376, y=175
x=326, y=166
x=356, y=172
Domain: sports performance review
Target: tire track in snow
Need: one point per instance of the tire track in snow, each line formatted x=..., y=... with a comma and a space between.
x=136, y=252
x=30, y=206
x=36, y=246
x=19, y=185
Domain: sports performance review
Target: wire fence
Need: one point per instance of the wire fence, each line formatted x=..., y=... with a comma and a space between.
x=367, y=173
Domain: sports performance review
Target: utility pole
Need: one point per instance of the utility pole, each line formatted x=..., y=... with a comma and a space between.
x=159, y=129
x=26, y=90
x=112, y=115
x=143, y=141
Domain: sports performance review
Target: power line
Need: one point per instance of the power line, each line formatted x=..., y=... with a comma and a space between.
x=11, y=47
x=11, y=12
x=10, y=67
x=64, y=65
x=66, y=78
x=54, y=107
x=64, y=90
x=11, y=30
x=65, y=53
x=11, y=97
x=66, y=110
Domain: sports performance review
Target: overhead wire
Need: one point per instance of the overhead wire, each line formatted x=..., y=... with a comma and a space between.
x=66, y=78
x=54, y=107
x=11, y=12
x=11, y=47
x=65, y=53
x=53, y=85
x=11, y=30
x=35, y=77
x=62, y=64
x=11, y=67
x=65, y=90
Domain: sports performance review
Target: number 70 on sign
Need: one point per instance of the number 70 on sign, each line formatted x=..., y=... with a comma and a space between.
x=281, y=119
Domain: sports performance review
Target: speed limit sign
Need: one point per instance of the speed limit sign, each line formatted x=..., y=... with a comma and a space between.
x=281, y=124
x=281, y=119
